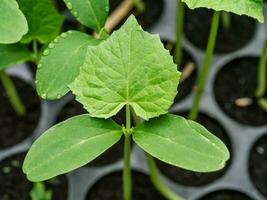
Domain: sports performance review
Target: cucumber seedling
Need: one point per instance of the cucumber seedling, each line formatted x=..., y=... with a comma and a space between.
x=39, y=192
x=130, y=69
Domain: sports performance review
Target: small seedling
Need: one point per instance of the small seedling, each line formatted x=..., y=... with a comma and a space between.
x=130, y=69
x=39, y=192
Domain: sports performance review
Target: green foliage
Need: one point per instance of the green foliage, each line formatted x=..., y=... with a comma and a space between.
x=13, y=24
x=182, y=143
x=11, y=54
x=252, y=8
x=61, y=62
x=91, y=13
x=39, y=192
x=130, y=67
x=69, y=145
x=43, y=19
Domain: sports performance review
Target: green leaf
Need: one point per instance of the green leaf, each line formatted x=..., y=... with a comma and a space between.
x=13, y=24
x=182, y=143
x=43, y=19
x=130, y=67
x=12, y=54
x=61, y=62
x=69, y=145
x=91, y=13
x=252, y=8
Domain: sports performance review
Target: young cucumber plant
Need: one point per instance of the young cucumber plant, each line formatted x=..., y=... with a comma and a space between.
x=24, y=21
x=129, y=69
x=39, y=192
x=67, y=53
x=252, y=8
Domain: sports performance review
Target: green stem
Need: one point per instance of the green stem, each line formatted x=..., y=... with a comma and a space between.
x=226, y=20
x=127, y=175
x=261, y=87
x=179, y=33
x=12, y=94
x=206, y=64
x=35, y=51
x=140, y=5
x=154, y=174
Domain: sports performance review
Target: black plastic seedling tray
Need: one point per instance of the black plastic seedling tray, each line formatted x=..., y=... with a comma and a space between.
x=242, y=137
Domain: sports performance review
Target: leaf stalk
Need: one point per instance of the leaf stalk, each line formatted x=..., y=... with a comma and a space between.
x=12, y=94
x=206, y=65
x=179, y=34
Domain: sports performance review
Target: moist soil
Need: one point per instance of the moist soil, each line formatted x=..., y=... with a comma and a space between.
x=238, y=80
x=110, y=188
x=15, y=186
x=226, y=195
x=197, y=26
x=113, y=154
x=189, y=178
x=258, y=165
x=187, y=85
x=147, y=18
x=13, y=128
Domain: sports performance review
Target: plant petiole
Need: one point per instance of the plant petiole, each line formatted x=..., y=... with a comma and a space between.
x=206, y=64
x=35, y=50
x=179, y=34
x=226, y=20
x=12, y=94
x=261, y=86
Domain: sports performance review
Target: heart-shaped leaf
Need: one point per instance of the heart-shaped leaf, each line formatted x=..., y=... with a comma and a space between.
x=130, y=67
x=43, y=19
x=183, y=143
x=13, y=24
x=91, y=13
x=252, y=8
x=12, y=54
x=61, y=62
x=69, y=145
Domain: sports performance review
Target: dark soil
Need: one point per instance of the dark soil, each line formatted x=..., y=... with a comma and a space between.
x=153, y=11
x=238, y=79
x=186, y=86
x=110, y=156
x=71, y=109
x=258, y=165
x=189, y=178
x=15, y=129
x=197, y=27
x=15, y=186
x=110, y=188
x=226, y=195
